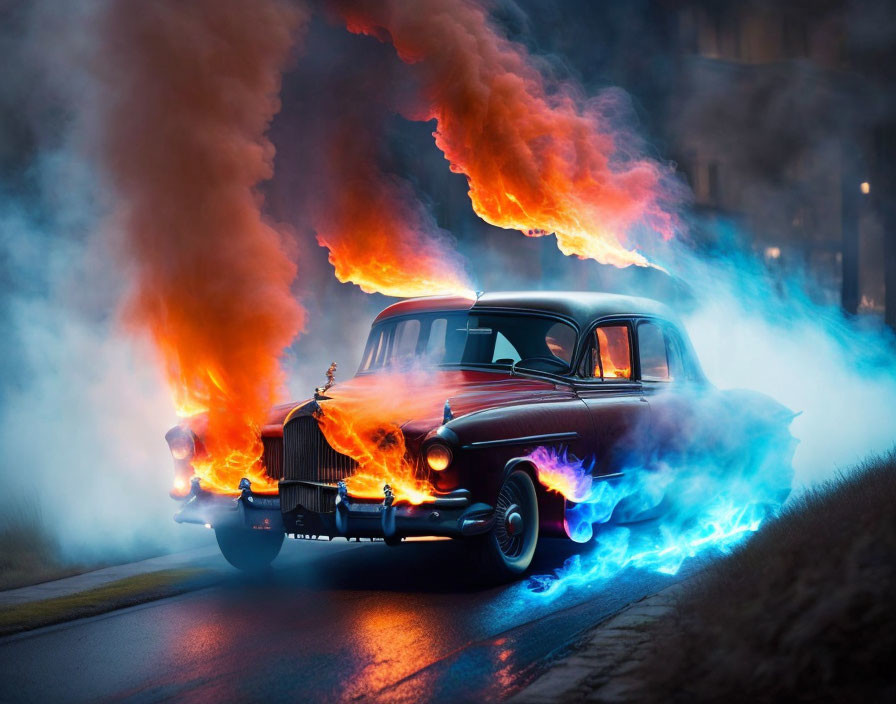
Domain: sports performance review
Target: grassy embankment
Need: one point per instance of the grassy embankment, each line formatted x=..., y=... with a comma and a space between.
x=116, y=595
x=29, y=554
x=806, y=610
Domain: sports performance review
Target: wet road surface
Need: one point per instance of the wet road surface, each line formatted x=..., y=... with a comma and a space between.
x=332, y=622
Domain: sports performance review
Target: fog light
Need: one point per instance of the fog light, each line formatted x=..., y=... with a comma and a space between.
x=438, y=457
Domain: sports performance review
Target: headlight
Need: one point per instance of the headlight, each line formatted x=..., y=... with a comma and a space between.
x=181, y=447
x=438, y=456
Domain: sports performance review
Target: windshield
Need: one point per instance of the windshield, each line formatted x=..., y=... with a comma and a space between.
x=471, y=339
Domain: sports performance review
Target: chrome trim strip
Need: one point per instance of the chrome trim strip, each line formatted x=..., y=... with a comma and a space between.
x=603, y=477
x=526, y=440
x=307, y=482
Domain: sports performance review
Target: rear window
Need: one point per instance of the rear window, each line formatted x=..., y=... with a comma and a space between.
x=652, y=346
x=659, y=353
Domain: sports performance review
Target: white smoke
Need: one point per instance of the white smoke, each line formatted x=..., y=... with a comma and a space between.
x=838, y=373
x=84, y=410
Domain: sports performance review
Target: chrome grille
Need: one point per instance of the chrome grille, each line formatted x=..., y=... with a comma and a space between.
x=309, y=457
x=272, y=458
x=320, y=499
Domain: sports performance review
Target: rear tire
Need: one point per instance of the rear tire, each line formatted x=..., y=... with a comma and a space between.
x=505, y=552
x=249, y=550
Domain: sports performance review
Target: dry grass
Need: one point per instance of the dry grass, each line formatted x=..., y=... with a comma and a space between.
x=116, y=595
x=804, y=611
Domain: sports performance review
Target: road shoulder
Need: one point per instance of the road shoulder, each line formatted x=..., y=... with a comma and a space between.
x=598, y=667
x=112, y=596
x=205, y=557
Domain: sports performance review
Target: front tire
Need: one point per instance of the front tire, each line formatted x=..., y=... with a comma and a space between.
x=249, y=550
x=505, y=552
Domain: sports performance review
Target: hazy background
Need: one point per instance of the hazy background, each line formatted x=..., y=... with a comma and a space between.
x=759, y=137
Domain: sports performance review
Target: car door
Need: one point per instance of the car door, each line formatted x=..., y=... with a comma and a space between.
x=668, y=381
x=607, y=383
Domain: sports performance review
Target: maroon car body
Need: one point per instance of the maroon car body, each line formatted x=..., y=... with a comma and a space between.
x=594, y=375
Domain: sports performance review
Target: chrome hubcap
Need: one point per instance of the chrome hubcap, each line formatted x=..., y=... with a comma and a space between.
x=513, y=520
x=510, y=525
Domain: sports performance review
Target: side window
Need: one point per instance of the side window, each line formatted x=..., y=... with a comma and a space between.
x=652, y=351
x=505, y=353
x=370, y=354
x=382, y=344
x=435, y=345
x=675, y=355
x=404, y=341
x=660, y=353
x=614, y=354
x=561, y=341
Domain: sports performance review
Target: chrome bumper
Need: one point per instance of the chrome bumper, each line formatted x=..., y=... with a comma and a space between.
x=452, y=515
x=248, y=510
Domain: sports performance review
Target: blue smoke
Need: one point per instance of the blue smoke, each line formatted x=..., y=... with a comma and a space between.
x=731, y=472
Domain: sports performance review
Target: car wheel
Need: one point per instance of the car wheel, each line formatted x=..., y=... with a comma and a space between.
x=249, y=550
x=506, y=551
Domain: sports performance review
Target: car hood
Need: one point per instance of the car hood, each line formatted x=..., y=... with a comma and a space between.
x=416, y=400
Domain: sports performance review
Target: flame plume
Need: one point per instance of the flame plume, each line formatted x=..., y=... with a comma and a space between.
x=378, y=233
x=537, y=160
x=188, y=92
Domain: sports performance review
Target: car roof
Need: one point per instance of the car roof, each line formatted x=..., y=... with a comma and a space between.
x=582, y=307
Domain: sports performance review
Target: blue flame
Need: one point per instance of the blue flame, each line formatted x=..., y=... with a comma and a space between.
x=654, y=518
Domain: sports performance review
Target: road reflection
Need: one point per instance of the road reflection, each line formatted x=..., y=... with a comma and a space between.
x=395, y=641
x=367, y=622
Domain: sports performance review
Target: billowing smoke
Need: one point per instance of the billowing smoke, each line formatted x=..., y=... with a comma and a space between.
x=82, y=404
x=539, y=158
x=838, y=373
x=340, y=185
x=188, y=92
x=139, y=263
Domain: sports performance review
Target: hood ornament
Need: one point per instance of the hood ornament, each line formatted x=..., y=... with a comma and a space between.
x=446, y=412
x=320, y=391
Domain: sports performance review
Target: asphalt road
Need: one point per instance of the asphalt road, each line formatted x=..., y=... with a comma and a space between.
x=332, y=622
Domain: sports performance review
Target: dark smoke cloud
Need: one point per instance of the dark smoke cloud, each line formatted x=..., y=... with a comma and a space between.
x=188, y=91
x=539, y=157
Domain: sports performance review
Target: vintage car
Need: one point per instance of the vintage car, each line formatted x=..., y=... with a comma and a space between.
x=592, y=375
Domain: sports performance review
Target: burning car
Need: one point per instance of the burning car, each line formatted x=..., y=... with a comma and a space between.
x=446, y=427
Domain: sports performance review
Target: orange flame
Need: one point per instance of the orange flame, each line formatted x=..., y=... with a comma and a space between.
x=379, y=448
x=559, y=473
x=537, y=159
x=189, y=91
x=374, y=226
x=363, y=420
